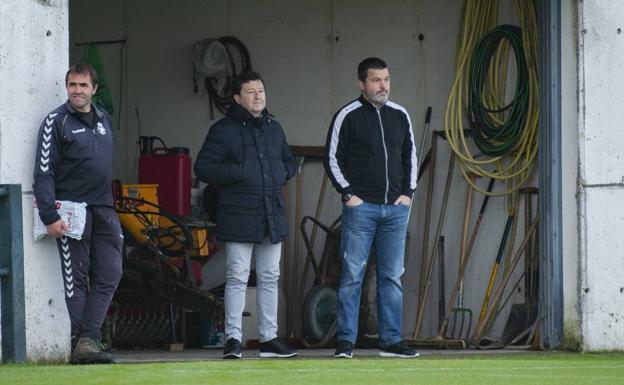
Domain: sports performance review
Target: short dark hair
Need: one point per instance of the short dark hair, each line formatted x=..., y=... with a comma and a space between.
x=369, y=63
x=242, y=78
x=83, y=69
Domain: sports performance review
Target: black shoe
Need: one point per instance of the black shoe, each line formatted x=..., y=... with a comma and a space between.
x=398, y=350
x=89, y=351
x=232, y=349
x=344, y=349
x=276, y=348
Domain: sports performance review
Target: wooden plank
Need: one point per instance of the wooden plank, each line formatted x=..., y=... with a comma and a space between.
x=437, y=343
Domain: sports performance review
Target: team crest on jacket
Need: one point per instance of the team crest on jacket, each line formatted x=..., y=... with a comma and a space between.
x=100, y=128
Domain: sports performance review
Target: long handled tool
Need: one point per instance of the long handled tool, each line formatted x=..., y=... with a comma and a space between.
x=526, y=319
x=429, y=267
x=286, y=279
x=424, y=251
x=466, y=257
x=480, y=329
x=441, y=285
x=440, y=341
x=521, y=316
x=493, y=273
x=530, y=267
x=294, y=300
x=509, y=233
x=461, y=316
x=424, y=135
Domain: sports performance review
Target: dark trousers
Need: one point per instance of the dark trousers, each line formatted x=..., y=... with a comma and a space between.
x=92, y=270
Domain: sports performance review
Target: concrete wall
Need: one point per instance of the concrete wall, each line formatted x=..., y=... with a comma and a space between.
x=307, y=52
x=570, y=161
x=601, y=174
x=33, y=61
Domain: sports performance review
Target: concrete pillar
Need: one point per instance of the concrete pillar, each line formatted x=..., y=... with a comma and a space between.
x=601, y=174
x=569, y=174
x=33, y=61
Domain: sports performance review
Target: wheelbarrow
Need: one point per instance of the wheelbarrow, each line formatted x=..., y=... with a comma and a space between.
x=319, y=306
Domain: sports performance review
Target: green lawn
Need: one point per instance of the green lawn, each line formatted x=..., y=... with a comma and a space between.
x=556, y=368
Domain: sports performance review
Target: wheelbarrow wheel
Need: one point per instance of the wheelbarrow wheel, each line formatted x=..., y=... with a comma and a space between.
x=319, y=313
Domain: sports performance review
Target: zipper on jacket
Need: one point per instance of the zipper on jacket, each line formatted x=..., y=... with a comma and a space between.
x=383, y=141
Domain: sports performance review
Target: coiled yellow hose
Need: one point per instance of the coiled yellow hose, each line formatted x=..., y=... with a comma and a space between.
x=516, y=166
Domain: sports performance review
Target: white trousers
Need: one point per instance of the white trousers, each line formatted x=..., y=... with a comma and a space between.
x=238, y=262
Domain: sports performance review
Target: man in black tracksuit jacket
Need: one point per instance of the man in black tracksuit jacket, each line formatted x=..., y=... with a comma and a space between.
x=74, y=163
x=245, y=155
x=371, y=161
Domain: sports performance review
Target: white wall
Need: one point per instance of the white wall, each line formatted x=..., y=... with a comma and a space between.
x=570, y=169
x=601, y=174
x=33, y=61
x=307, y=52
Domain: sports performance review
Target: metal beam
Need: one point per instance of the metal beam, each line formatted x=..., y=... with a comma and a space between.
x=550, y=241
x=12, y=304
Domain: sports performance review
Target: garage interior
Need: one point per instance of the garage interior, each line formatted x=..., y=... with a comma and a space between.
x=307, y=53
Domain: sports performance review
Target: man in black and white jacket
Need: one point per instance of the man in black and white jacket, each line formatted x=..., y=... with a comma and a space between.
x=370, y=158
x=74, y=162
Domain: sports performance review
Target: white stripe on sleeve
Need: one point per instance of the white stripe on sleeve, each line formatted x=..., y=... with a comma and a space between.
x=333, y=146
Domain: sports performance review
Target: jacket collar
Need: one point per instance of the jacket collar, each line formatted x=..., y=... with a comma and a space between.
x=238, y=112
x=72, y=110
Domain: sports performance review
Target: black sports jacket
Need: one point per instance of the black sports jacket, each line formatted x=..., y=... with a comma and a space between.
x=371, y=153
x=74, y=162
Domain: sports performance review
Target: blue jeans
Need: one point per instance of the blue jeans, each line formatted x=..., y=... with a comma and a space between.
x=386, y=225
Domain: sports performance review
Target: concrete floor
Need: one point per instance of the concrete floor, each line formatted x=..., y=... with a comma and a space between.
x=144, y=356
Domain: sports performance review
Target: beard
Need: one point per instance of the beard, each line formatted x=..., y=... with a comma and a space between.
x=377, y=98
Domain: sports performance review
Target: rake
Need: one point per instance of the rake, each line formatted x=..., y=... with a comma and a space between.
x=461, y=317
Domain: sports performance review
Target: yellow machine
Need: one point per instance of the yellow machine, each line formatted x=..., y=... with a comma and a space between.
x=162, y=270
x=138, y=194
x=139, y=213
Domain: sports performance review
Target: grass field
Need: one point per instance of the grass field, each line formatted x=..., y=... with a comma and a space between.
x=555, y=368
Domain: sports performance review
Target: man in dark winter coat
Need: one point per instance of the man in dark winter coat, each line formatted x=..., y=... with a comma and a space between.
x=74, y=162
x=246, y=156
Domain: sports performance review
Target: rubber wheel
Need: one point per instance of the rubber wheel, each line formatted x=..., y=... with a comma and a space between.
x=319, y=312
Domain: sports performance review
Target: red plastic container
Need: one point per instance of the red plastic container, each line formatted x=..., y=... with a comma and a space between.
x=171, y=170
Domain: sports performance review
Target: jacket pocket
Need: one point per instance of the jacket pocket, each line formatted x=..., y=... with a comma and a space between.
x=281, y=223
x=239, y=202
x=238, y=217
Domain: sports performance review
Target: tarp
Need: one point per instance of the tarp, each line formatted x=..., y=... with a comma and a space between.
x=103, y=96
